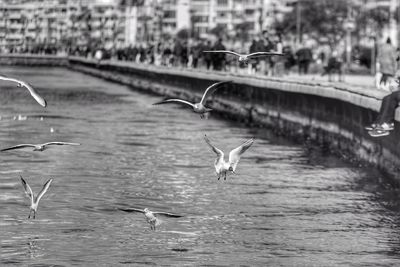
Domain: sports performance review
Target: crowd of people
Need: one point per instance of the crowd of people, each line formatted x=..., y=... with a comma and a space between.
x=303, y=59
x=184, y=53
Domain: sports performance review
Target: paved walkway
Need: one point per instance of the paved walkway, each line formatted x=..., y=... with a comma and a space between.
x=358, y=80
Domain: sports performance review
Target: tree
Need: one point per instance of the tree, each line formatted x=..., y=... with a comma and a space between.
x=219, y=31
x=242, y=31
x=318, y=18
x=183, y=34
x=375, y=19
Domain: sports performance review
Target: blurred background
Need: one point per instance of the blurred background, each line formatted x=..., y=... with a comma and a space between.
x=174, y=32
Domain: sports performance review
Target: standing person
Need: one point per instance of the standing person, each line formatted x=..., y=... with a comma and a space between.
x=132, y=53
x=304, y=57
x=196, y=53
x=267, y=46
x=207, y=56
x=184, y=55
x=219, y=59
x=253, y=48
x=98, y=56
x=177, y=51
x=167, y=55
x=386, y=62
x=276, y=62
x=289, y=60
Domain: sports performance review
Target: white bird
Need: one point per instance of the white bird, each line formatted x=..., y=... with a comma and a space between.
x=197, y=107
x=243, y=58
x=221, y=166
x=39, y=147
x=34, y=200
x=151, y=217
x=33, y=92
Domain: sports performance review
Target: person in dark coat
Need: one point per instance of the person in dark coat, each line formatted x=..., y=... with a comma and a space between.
x=219, y=58
x=196, y=53
x=304, y=57
x=289, y=60
x=207, y=56
x=254, y=47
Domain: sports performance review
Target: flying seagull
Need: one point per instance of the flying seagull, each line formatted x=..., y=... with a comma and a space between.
x=197, y=107
x=243, y=58
x=33, y=92
x=34, y=201
x=39, y=147
x=221, y=166
x=151, y=216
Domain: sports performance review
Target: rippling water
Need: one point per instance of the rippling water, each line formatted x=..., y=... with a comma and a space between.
x=287, y=205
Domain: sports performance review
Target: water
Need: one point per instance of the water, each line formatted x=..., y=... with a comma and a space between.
x=287, y=205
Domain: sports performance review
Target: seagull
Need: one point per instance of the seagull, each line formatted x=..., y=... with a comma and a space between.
x=221, y=166
x=34, y=201
x=197, y=107
x=151, y=217
x=33, y=92
x=243, y=58
x=39, y=147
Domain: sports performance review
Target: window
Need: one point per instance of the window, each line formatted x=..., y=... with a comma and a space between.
x=169, y=14
x=222, y=2
x=221, y=14
x=169, y=25
x=200, y=18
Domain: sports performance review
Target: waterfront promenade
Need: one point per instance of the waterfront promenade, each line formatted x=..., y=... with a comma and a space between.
x=330, y=114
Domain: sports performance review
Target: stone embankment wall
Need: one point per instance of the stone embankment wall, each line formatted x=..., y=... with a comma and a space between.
x=328, y=114
x=32, y=60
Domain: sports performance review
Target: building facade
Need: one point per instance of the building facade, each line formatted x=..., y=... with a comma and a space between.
x=130, y=22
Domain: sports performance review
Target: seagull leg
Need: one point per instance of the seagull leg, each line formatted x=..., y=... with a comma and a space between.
x=29, y=216
x=34, y=214
x=225, y=177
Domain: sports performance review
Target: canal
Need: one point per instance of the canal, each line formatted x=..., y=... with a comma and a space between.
x=288, y=205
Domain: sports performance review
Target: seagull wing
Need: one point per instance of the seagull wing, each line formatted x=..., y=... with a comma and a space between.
x=5, y=78
x=211, y=89
x=44, y=190
x=174, y=101
x=27, y=189
x=220, y=154
x=17, y=147
x=61, y=144
x=34, y=94
x=264, y=54
x=131, y=210
x=223, y=51
x=167, y=214
x=234, y=155
x=32, y=91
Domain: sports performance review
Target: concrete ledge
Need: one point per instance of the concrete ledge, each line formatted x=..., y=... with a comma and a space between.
x=329, y=115
x=33, y=60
